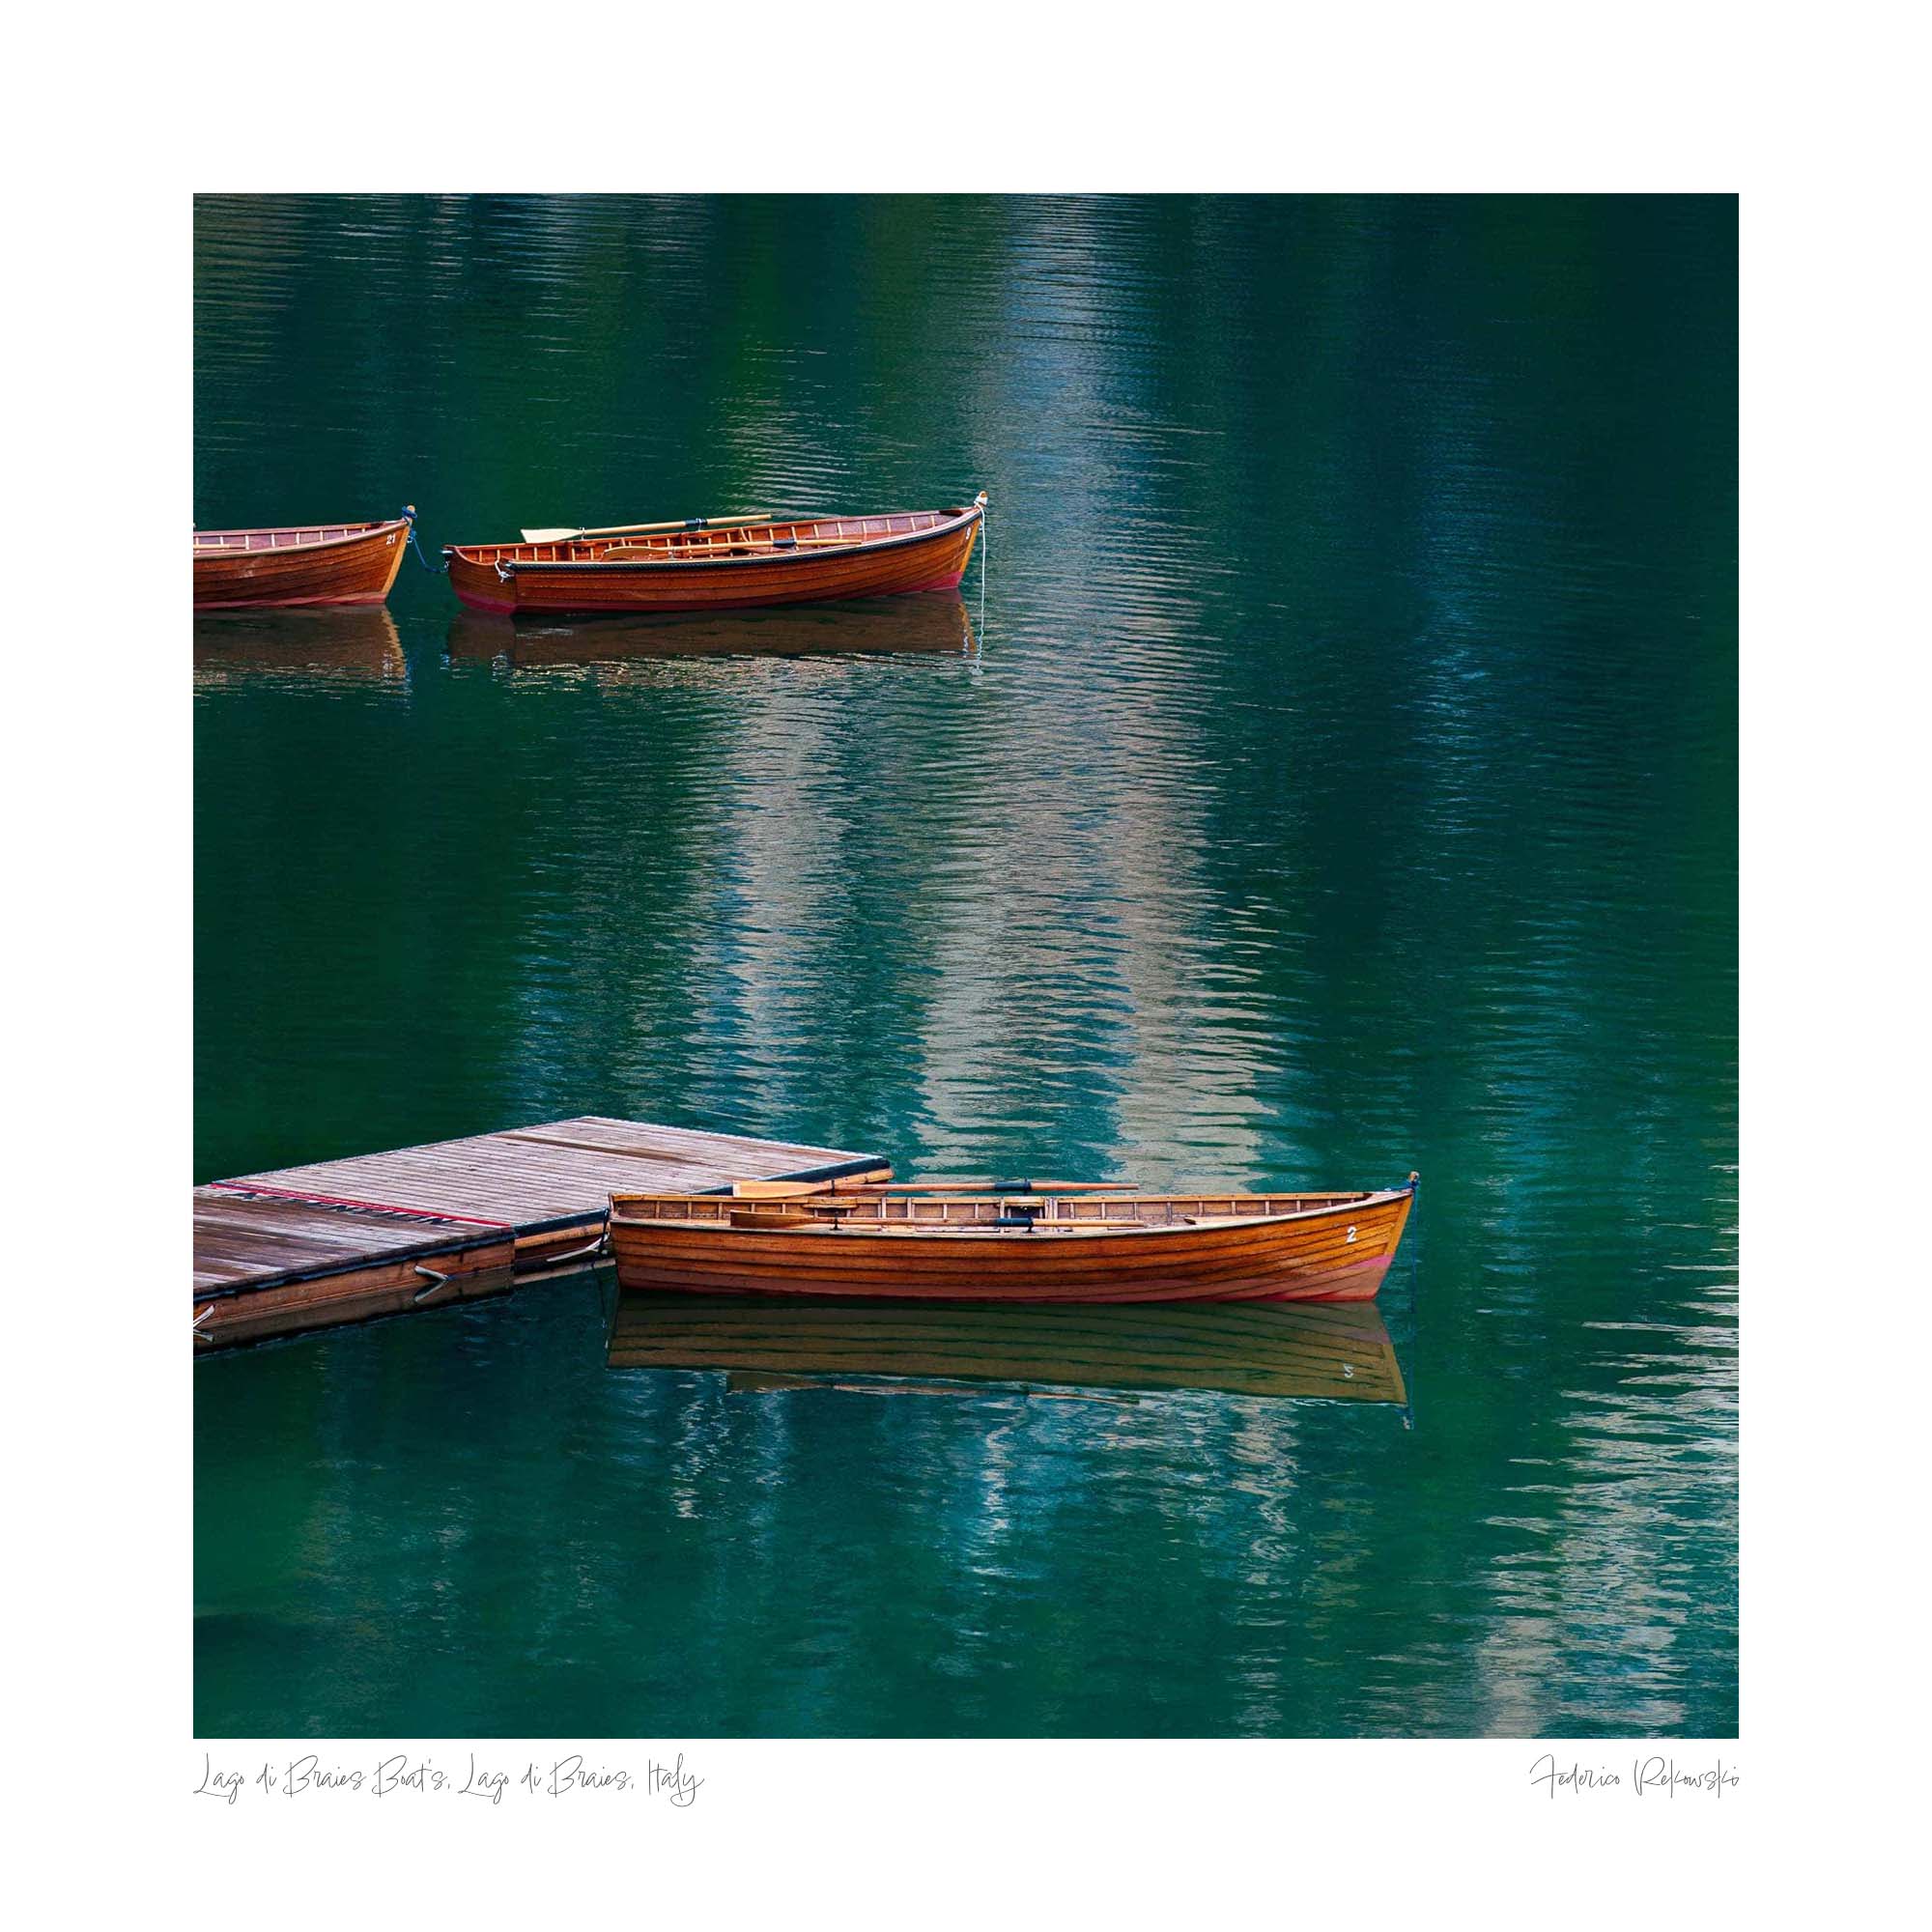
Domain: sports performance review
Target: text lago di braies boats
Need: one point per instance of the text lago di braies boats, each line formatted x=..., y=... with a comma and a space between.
x=1020, y=1241
x=293, y=564
x=715, y=564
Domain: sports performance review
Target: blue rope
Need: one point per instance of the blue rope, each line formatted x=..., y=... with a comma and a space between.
x=434, y=569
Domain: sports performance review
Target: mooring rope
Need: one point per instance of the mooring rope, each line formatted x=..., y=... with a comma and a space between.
x=985, y=550
x=410, y=517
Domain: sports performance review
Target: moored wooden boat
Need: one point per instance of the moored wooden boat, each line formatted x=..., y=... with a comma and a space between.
x=1009, y=1242
x=1334, y=1351
x=723, y=564
x=298, y=564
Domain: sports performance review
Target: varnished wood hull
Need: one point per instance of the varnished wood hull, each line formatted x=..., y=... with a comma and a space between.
x=1337, y=1253
x=297, y=566
x=577, y=580
x=1331, y=1352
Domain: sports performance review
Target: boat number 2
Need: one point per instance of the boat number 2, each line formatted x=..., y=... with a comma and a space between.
x=1352, y=1234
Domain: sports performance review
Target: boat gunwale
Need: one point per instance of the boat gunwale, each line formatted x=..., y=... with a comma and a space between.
x=849, y=1230
x=957, y=519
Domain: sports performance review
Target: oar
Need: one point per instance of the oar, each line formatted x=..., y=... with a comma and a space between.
x=1007, y=1187
x=633, y=530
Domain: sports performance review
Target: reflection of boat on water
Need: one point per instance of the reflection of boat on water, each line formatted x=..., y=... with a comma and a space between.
x=240, y=646
x=935, y=621
x=1339, y=1351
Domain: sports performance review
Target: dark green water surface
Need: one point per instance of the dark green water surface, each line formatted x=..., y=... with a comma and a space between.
x=1342, y=780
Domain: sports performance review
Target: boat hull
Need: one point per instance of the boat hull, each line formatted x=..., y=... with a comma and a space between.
x=303, y=566
x=1330, y=1254
x=577, y=580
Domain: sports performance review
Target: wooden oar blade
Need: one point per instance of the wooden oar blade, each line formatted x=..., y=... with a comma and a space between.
x=626, y=530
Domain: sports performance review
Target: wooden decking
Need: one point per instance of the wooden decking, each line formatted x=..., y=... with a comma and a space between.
x=342, y=1240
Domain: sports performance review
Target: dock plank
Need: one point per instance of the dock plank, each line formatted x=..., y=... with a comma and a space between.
x=328, y=1241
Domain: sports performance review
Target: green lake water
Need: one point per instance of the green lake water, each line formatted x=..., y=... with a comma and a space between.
x=1341, y=781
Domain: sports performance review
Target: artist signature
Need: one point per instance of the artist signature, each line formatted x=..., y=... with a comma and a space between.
x=1642, y=1778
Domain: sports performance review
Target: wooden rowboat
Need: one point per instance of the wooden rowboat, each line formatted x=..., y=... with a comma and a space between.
x=298, y=563
x=1332, y=1352
x=982, y=1241
x=714, y=565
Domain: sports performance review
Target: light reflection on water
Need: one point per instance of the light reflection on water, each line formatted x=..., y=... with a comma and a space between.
x=1342, y=781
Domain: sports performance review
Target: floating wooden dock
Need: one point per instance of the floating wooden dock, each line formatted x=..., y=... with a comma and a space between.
x=343, y=1240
